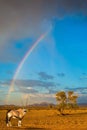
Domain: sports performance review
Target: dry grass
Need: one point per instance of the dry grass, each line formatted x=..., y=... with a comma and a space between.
x=48, y=120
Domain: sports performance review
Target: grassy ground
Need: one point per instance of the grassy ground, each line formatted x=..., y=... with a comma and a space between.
x=48, y=120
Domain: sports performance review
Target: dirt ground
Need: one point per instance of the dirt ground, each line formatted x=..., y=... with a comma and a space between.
x=48, y=120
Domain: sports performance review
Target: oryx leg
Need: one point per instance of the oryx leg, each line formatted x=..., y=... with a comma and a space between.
x=19, y=122
x=9, y=122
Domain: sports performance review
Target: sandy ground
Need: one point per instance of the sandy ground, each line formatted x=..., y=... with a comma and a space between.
x=48, y=120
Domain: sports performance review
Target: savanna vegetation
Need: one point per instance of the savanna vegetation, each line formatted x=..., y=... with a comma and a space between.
x=66, y=115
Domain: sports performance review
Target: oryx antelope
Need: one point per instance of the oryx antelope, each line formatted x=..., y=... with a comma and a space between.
x=17, y=114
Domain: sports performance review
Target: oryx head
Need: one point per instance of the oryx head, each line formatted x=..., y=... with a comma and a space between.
x=25, y=110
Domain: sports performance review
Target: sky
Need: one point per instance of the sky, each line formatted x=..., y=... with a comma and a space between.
x=43, y=50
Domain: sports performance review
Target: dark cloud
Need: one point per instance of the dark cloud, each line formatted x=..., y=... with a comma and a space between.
x=74, y=5
x=11, y=53
x=45, y=76
x=79, y=90
x=34, y=83
x=52, y=91
x=84, y=73
x=61, y=74
x=31, y=86
x=9, y=72
x=26, y=90
x=31, y=83
x=22, y=18
x=83, y=77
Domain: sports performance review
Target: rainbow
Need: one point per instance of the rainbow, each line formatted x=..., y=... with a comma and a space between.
x=11, y=89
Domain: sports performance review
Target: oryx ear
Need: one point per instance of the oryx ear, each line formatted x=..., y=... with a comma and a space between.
x=25, y=110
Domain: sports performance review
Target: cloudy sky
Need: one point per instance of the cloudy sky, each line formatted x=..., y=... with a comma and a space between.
x=59, y=60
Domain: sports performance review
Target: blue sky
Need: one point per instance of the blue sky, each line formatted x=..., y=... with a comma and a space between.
x=57, y=63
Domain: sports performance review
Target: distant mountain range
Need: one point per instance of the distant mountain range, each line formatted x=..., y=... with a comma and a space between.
x=31, y=105
x=43, y=104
